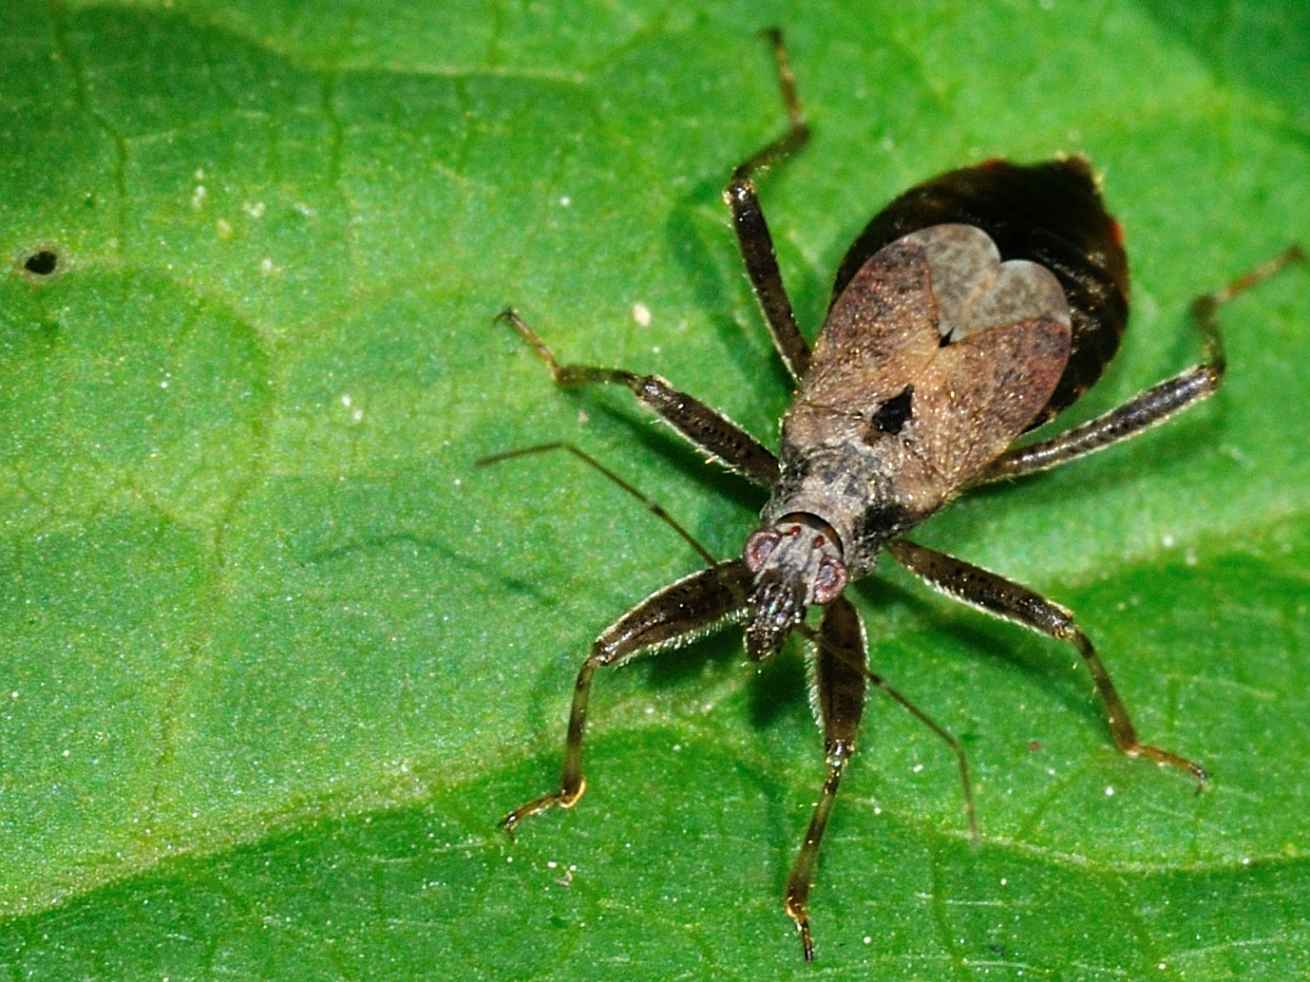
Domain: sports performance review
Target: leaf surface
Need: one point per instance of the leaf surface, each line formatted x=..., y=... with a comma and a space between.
x=276, y=657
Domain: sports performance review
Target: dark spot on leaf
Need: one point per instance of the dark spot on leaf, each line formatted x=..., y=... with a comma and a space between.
x=893, y=414
x=41, y=263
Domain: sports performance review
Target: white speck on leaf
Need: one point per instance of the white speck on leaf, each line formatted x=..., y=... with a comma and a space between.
x=641, y=314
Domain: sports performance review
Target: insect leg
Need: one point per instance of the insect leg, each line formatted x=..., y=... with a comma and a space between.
x=676, y=615
x=753, y=232
x=837, y=692
x=995, y=595
x=1156, y=404
x=709, y=431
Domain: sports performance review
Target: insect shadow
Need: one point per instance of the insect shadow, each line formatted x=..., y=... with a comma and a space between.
x=973, y=308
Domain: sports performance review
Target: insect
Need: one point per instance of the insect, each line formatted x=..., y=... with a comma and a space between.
x=971, y=309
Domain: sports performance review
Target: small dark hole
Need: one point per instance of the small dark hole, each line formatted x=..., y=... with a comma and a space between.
x=41, y=263
x=893, y=414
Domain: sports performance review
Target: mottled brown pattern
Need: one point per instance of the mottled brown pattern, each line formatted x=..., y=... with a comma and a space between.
x=1049, y=212
x=971, y=398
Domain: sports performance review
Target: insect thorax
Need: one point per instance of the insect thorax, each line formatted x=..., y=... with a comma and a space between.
x=851, y=491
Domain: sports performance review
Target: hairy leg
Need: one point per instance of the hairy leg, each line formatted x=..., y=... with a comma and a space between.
x=674, y=616
x=709, y=431
x=1152, y=407
x=753, y=238
x=995, y=595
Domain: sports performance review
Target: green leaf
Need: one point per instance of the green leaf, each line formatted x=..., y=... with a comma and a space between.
x=275, y=657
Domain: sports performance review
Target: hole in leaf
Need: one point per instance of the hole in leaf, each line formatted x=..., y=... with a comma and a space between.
x=41, y=263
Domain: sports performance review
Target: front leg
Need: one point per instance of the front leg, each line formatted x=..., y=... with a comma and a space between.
x=676, y=615
x=995, y=595
x=709, y=431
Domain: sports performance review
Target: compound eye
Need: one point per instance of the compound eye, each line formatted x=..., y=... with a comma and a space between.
x=829, y=581
x=758, y=548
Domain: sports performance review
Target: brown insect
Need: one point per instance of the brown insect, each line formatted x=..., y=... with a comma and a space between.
x=973, y=308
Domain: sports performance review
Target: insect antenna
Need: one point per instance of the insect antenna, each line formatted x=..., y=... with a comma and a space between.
x=654, y=507
x=852, y=661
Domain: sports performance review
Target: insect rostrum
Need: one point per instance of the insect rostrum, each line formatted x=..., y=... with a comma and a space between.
x=974, y=307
